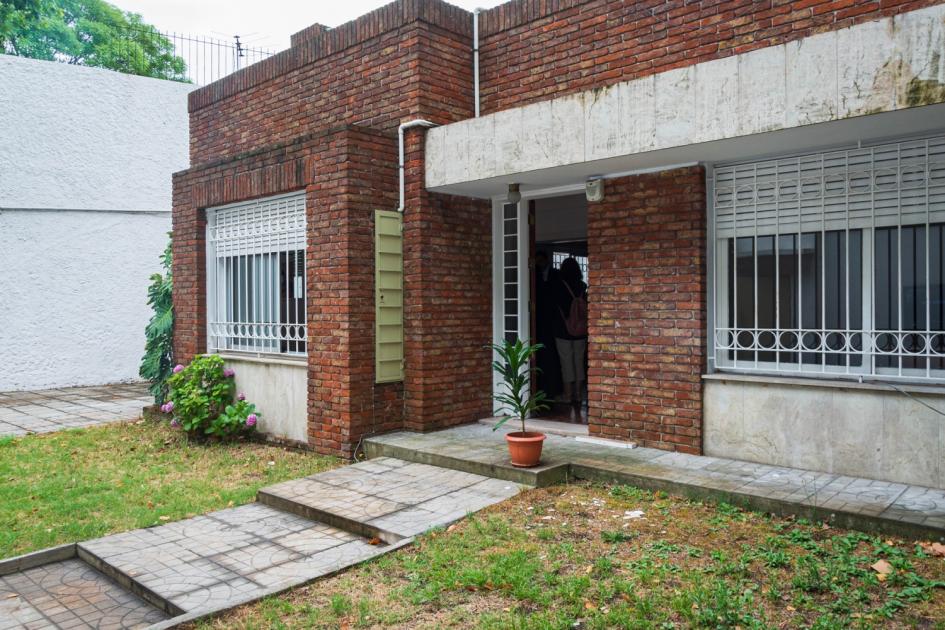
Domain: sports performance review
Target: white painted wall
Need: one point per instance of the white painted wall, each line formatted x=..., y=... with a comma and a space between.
x=86, y=158
x=857, y=430
x=78, y=138
x=74, y=291
x=279, y=389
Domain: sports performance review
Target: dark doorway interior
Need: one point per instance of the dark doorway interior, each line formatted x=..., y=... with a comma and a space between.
x=559, y=266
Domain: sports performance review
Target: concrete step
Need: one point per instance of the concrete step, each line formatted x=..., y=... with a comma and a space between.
x=468, y=456
x=210, y=561
x=387, y=498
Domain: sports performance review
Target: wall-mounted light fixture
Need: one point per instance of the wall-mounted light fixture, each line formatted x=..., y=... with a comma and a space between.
x=515, y=195
x=594, y=189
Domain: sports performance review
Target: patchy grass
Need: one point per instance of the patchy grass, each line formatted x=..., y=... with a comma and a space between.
x=574, y=557
x=74, y=485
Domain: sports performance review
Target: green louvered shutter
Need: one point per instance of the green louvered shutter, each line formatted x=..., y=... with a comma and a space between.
x=389, y=296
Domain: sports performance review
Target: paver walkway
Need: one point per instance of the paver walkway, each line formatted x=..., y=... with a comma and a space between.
x=847, y=501
x=298, y=531
x=48, y=410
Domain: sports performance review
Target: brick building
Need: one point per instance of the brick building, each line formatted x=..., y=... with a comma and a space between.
x=764, y=262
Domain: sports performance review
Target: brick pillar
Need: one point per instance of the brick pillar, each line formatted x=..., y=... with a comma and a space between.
x=354, y=175
x=448, y=303
x=647, y=309
x=189, y=268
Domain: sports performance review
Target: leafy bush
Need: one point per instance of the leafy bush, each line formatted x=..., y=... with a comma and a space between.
x=202, y=400
x=159, y=333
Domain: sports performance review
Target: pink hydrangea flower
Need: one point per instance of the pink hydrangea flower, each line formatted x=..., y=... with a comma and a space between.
x=242, y=396
x=251, y=420
x=228, y=373
x=178, y=368
x=168, y=406
x=175, y=423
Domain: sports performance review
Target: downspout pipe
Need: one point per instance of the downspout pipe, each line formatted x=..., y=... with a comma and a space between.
x=419, y=122
x=476, y=13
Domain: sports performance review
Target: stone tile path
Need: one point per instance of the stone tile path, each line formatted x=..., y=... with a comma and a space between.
x=848, y=501
x=70, y=594
x=48, y=410
x=175, y=572
x=393, y=498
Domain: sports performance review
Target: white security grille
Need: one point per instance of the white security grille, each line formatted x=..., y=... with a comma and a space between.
x=510, y=281
x=256, y=276
x=833, y=263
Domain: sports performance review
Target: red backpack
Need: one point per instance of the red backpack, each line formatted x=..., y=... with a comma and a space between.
x=576, y=320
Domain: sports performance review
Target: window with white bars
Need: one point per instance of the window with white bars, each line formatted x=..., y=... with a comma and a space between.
x=559, y=257
x=833, y=263
x=256, y=276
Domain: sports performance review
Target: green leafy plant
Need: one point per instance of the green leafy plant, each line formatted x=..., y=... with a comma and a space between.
x=90, y=33
x=514, y=366
x=202, y=400
x=159, y=333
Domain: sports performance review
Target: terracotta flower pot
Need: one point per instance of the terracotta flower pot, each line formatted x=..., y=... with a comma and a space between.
x=525, y=448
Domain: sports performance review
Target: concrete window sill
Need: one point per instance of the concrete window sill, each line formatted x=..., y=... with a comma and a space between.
x=832, y=383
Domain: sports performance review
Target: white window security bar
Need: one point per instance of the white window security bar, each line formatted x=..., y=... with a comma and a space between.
x=832, y=263
x=256, y=298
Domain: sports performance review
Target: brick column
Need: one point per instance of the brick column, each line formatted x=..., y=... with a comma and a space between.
x=448, y=303
x=189, y=251
x=647, y=309
x=354, y=175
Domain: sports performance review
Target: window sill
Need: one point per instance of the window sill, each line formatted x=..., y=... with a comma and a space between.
x=300, y=362
x=832, y=383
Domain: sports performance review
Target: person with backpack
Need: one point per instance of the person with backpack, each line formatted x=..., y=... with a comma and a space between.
x=571, y=331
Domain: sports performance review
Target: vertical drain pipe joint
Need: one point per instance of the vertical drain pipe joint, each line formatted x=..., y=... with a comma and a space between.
x=476, y=13
x=400, y=140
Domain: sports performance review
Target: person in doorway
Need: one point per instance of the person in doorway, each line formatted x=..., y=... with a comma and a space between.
x=570, y=331
x=546, y=286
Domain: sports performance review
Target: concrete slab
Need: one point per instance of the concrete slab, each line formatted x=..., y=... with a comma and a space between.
x=47, y=410
x=388, y=498
x=866, y=504
x=70, y=594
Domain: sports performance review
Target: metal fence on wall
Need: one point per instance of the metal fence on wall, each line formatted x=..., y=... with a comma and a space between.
x=143, y=51
x=207, y=59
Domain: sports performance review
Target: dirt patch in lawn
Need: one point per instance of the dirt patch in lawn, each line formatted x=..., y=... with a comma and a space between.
x=585, y=556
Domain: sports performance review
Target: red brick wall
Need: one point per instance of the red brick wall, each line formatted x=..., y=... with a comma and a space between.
x=347, y=174
x=366, y=72
x=448, y=304
x=354, y=176
x=647, y=309
x=532, y=50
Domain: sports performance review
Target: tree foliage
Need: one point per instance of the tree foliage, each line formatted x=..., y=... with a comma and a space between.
x=89, y=33
x=157, y=363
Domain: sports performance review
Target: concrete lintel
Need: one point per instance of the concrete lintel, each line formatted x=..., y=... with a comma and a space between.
x=890, y=65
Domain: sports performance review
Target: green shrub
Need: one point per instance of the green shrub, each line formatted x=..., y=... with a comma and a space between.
x=159, y=333
x=202, y=400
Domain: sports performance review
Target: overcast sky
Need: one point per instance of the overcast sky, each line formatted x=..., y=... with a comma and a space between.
x=265, y=24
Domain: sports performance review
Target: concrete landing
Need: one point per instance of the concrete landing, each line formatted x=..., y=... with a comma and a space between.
x=866, y=504
x=298, y=531
x=388, y=498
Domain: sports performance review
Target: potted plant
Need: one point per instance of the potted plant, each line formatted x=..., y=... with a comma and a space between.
x=517, y=402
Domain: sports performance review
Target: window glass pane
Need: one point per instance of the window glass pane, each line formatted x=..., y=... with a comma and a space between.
x=810, y=297
x=886, y=306
x=767, y=296
x=787, y=296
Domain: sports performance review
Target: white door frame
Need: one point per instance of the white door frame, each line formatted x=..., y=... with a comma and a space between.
x=523, y=277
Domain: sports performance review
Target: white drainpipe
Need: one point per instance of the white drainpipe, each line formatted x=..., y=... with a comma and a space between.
x=419, y=122
x=476, y=13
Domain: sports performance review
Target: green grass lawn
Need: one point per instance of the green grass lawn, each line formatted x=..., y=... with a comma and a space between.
x=75, y=485
x=576, y=557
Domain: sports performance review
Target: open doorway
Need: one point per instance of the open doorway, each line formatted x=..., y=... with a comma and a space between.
x=559, y=279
